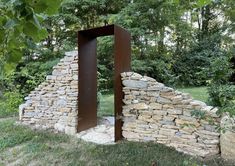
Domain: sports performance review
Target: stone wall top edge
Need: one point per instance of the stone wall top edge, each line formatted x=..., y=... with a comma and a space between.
x=49, y=77
x=209, y=110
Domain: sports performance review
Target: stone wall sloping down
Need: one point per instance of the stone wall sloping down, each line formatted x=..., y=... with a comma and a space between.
x=155, y=112
x=53, y=104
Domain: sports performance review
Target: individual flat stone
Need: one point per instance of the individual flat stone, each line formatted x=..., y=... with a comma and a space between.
x=167, y=132
x=170, y=127
x=158, y=112
x=135, y=84
x=209, y=142
x=163, y=100
x=167, y=122
x=205, y=132
x=184, y=122
x=198, y=103
x=174, y=111
x=140, y=106
x=130, y=135
x=155, y=106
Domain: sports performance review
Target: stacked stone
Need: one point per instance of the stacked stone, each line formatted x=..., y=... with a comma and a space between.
x=154, y=112
x=227, y=137
x=53, y=104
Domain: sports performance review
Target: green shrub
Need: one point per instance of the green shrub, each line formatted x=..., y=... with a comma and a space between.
x=158, y=69
x=221, y=91
x=190, y=69
x=9, y=103
x=230, y=108
x=221, y=95
x=30, y=75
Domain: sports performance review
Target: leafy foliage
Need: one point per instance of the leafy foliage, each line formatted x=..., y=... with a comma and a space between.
x=9, y=103
x=158, y=69
x=198, y=114
x=221, y=92
x=31, y=73
x=21, y=20
x=221, y=95
x=28, y=75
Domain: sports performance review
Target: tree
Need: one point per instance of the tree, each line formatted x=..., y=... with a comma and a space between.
x=20, y=22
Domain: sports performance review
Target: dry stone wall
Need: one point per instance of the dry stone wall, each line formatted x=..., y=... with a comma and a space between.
x=53, y=104
x=155, y=112
x=151, y=111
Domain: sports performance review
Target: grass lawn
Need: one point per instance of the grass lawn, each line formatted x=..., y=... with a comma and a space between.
x=23, y=146
x=4, y=114
x=198, y=93
x=106, y=107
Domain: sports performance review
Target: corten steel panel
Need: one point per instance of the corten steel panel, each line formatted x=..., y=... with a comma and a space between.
x=87, y=101
x=122, y=60
x=100, y=31
x=87, y=87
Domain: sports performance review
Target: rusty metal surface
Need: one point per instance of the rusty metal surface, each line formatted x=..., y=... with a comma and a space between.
x=87, y=101
x=100, y=31
x=87, y=85
x=122, y=61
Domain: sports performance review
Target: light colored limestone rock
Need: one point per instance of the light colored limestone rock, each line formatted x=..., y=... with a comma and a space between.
x=130, y=135
x=167, y=122
x=49, y=105
x=167, y=132
x=135, y=84
x=163, y=100
x=205, y=132
x=59, y=127
x=227, y=137
x=140, y=106
x=174, y=111
x=155, y=106
x=168, y=119
x=182, y=123
x=70, y=130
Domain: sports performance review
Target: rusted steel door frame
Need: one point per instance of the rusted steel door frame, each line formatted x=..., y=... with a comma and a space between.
x=87, y=82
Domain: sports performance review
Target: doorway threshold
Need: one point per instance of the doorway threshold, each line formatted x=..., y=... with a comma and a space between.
x=103, y=133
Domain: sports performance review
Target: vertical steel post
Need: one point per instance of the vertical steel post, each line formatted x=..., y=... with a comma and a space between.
x=87, y=100
x=122, y=60
x=87, y=86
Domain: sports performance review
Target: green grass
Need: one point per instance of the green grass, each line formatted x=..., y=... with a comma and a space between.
x=106, y=107
x=22, y=146
x=4, y=113
x=198, y=93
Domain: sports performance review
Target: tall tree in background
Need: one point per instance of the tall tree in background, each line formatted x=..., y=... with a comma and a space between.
x=172, y=41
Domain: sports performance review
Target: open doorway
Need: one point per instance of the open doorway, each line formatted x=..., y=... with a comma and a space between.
x=87, y=100
x=105, y=72
x=103, y=133
x=105, y=95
